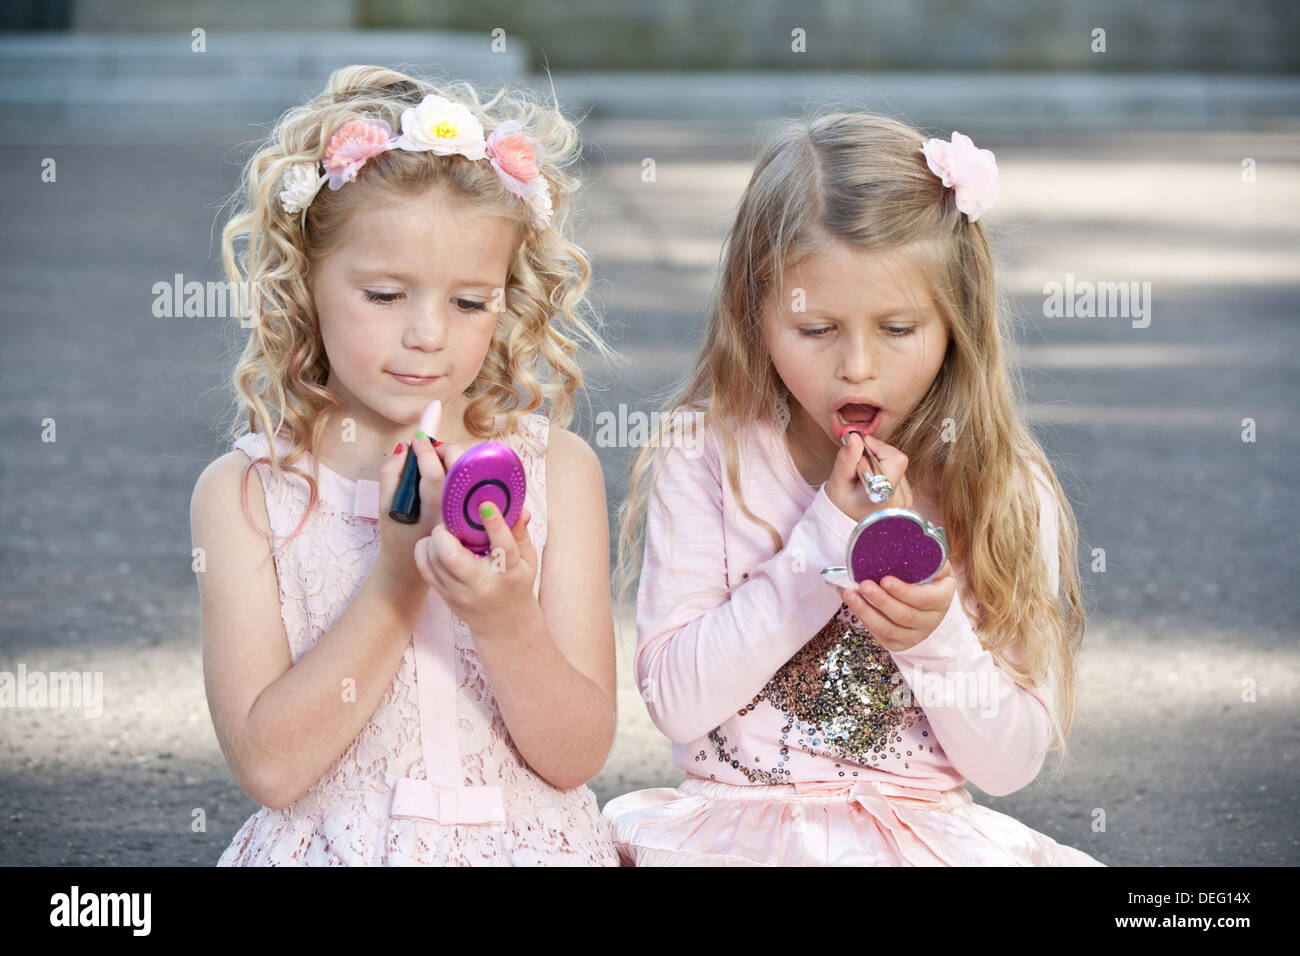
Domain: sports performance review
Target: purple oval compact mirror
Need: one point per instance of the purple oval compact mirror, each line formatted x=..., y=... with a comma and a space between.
x=489, y=471
x=895, y=542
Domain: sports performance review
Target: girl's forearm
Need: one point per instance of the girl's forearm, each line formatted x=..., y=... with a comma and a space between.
x=559, y=719
x=310, y=714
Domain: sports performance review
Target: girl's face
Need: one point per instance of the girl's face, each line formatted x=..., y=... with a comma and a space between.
x=414, y=291
x=870, y=334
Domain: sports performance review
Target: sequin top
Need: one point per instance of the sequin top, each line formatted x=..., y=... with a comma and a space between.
x=777, y=681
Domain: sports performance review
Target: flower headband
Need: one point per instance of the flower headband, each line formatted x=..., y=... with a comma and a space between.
x=974, y=172
x=438, y=126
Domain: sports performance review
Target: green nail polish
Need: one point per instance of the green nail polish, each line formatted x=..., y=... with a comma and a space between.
x=486, y=510
x=421, y=435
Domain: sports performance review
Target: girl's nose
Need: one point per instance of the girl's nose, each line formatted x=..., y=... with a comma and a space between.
x=857, y=362
x=428, y=330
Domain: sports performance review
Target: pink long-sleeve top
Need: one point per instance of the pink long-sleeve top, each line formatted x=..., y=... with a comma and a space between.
x=758, y=674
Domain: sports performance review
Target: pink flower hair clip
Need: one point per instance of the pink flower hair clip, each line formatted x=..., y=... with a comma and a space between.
x=439, y=126
x=973, y=172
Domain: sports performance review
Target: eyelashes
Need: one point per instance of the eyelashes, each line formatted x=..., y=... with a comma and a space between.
x=896, y=331
x=388, y=298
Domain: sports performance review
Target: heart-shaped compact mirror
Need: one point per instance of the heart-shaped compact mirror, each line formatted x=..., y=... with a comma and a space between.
x=895, y=542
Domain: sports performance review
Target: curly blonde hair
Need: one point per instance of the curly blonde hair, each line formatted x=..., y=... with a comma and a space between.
x=283, y=368
x=861, y=180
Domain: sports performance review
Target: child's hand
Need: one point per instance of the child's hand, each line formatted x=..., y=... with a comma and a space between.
x=396, y=539
x=492, y=594
x=902, y=615
x=845, y=487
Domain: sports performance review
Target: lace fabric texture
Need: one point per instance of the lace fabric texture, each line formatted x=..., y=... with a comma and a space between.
x=344, y=818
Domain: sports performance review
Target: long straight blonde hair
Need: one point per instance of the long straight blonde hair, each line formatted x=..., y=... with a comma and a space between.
x=861, y=180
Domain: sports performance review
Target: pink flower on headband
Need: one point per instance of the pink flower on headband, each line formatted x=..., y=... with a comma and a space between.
x=974, y=172
x=354, y=143
x=514, y=157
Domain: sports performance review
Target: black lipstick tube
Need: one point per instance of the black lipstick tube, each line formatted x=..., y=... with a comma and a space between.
x=406, y=499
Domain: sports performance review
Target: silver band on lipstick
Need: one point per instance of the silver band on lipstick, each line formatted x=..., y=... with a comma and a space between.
x=879, y=487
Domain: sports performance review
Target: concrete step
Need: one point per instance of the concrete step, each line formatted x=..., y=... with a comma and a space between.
x=254, y=69
x=108, y=86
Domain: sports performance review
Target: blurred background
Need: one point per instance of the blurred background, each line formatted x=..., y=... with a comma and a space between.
x=1140, y=143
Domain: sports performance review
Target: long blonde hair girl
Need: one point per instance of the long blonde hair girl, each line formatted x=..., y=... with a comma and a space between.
x=861, y=180
x=282, y=371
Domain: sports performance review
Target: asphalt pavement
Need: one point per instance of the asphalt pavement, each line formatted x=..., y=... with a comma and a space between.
x=1187, y=721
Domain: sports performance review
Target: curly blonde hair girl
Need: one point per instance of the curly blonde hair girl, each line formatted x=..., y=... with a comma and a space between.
x=283, y=369
x=861, y=180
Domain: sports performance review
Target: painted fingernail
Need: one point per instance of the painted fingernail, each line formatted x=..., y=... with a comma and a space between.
x=398, y=449
x=421, y=435
x=486, y=510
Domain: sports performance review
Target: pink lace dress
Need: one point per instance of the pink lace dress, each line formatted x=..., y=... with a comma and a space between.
x=433, y=778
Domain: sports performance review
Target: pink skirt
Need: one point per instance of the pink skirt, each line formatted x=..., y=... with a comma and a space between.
x=864, y=823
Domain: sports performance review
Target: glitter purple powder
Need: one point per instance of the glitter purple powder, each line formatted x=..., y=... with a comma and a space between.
x=896, y=544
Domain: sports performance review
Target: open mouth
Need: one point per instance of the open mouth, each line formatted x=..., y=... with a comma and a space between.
x=854, y=416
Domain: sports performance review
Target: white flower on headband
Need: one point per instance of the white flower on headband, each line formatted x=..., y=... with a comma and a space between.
x=440, y=126
x=301, y=183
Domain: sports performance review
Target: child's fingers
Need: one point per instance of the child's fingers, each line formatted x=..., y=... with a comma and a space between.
x=447, y=454
x=431, y=477
x=893, y=465
x=845, y=470
x=940, y=589
x=870, y=617
x=423, y=562
x=523, y=540
x=456, y=561
x=500, y=537
x=934, y=595
x=882, y=597
x=431, y=470
x=390, y=473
